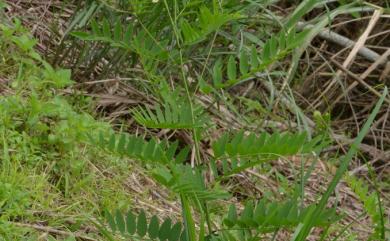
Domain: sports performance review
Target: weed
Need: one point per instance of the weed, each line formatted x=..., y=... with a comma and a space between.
x=44, y=162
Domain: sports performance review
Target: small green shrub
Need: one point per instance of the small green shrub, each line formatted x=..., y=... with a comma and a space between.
x=371, y=206
x=44, y=163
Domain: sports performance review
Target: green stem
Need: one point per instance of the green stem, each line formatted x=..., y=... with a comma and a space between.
x=189, y=223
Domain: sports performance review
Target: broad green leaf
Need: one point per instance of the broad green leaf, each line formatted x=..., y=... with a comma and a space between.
x=142, y=224
x=122, y=143
x=111, y=143
x=165, y=229
x=128, y=34
x=273, y=47
x=183, y=236
x=253, y=38
x=204, y=87
x=106, y=29
x=168, y=113
x=110, y=220
x=81, y=35
x=162, y=175
x=254, y=59
x=244, y=68
x=183, y=154
x=131, y=223
x=153, y=227
x=2, y=5
x=217, y=74
x=102, y=139
x=174, y=235
x=95, y=28
x=171, y=150
x=247, y=214
x=282, y=40
x=120, y=222
x=231, y=69
x=298, y=39
x=266, y=54
x=232, y=216
x=118, y=31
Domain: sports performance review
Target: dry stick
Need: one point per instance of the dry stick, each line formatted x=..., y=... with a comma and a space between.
x=376, y=64
x=386, y=72
x=53, y=231
x=365, y=74
x=338, y=39
x=341, y=40
x=361, y=81
x=309, y=79
x=358, y=45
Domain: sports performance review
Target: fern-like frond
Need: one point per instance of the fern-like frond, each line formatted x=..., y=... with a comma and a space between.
x=207, y=22
x=371, y=205
x=239, y=151
x=266, y=216
x=126, y=38
x=188, y=181
x=104, y=31
x=252, y=62
x=140, y=228
x=171, y=115
x=138, y=148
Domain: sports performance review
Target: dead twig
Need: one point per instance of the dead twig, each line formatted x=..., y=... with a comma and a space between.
x=352, y=55
x=379, y=61
x=360, y=80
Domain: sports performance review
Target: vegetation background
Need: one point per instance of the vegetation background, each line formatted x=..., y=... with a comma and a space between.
x=194, y=120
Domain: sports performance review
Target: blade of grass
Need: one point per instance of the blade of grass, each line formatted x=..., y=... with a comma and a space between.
x=302, y=9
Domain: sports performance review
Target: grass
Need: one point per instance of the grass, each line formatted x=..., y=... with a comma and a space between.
x=48, y=175
x=164, y=108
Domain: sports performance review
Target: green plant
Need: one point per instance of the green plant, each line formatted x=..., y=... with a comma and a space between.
x=162, y=41
x=43, y=159
x=188, y=183
x=174, y=113
x=371, y=206
x=139, y=227
x=277, y=47
x=207, y=22
x=254, y=220
x=247, y=151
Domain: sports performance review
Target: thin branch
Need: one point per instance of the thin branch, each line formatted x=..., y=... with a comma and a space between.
x=360, y=80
